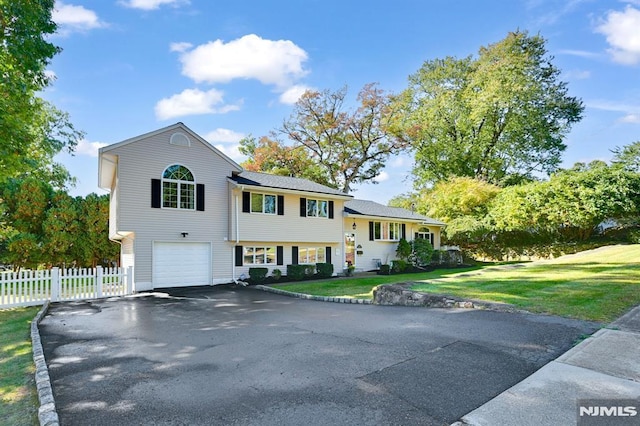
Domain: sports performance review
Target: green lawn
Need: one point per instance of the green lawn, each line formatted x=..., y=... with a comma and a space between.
x=361, y=287
x=598, y=285
x=18, y=396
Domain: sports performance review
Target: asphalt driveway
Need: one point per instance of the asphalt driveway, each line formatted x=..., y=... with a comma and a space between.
x=230, y=355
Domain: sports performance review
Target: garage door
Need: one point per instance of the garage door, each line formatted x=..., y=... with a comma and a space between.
x=181, y=264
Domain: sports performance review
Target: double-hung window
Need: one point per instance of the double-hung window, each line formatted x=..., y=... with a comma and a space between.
x=259, y=255
x=317, y=208
x=311, y=255
x=390, y=231
x=178, y=188
x=263, y=203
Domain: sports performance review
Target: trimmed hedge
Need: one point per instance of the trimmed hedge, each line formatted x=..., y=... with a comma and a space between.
x=385, y=269
x=324, y=270
x=300, y=272
x=258, y=275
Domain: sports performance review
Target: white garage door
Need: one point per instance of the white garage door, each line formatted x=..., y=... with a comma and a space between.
x=181, y=264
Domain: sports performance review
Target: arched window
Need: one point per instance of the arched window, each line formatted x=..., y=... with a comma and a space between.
x=178, y=188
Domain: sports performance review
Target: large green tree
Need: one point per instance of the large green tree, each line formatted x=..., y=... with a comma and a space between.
x=351, y=146
x=500, y=117
x=32, y=131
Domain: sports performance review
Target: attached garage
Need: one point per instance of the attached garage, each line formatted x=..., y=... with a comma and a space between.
x=181, y=264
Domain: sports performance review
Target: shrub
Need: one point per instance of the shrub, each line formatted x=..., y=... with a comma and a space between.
x=385, y=269
x=324, y=270
x=634, y=237
x=404, y=249
x=295, y=272
x=399, y=266
x=258, y=275
x=300, y=272
x=422, y=251
x=276, y=274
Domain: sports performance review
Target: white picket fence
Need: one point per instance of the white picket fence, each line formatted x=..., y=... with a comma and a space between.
x=28, y=288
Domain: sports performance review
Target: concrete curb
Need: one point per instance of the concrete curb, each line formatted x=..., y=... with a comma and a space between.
x=47, y=414
x=312, y=297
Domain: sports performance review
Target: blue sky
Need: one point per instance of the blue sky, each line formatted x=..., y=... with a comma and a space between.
x=230, y=69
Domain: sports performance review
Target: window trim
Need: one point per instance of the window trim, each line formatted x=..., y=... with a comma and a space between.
x=322, y=251
x=265, y=255
x=264, y=197
x=317, y=209
x=381, y=228
x=179, y=189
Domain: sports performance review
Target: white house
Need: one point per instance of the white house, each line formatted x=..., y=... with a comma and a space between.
x=185, y=214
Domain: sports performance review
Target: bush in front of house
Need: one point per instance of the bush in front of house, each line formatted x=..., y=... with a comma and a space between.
x=399, y=266
x=422, y=251
x=258, y=275
x=276, y=274
x=324, y=270
x=385, y=269
x=300, y=272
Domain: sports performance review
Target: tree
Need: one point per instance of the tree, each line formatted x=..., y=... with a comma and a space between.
x=272, y=156
x=94, y=246
x=628, y=157
x=32, y=131
x=500, y=117
x=350, y=146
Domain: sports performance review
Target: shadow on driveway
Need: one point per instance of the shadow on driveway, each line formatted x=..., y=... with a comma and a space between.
x=236, y=355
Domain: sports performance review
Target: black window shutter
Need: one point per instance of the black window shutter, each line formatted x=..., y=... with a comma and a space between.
x=416, y=236
x=246, y=202
x=239, y=255
x=303, y=207
x=280, y=255
x=156, y=193
x=294, y=255
x=328, y=256
x=330, y=209
x=200, y=197
x=431, y=238
x=404, y=231
x=371, y=231
x=280, y=206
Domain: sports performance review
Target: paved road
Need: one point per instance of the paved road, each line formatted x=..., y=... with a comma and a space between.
x=239, y=356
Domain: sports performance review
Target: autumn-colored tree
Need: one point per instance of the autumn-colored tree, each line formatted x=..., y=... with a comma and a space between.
x=351, y=146
x=268, y=155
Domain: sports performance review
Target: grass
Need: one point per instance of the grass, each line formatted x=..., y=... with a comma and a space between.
x=361, y=287
x=18, y=396
x=598, y=285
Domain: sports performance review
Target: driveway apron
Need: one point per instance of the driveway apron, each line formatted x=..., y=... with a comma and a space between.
x=239, y=356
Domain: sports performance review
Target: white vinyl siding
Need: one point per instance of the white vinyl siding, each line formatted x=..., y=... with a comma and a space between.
x=143, y=160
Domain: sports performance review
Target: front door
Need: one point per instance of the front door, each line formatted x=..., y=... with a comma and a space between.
x=350, y=249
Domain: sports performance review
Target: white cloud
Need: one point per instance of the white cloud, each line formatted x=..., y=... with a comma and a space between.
x=223, y=135
x=621, y=31
x=272, y=62
x=577, y=74
x=151, y=4
x=631, y=118
x=293, y=93
x=85, y=147
x=381, y=177
x=191, y=102
x=579, y=53
x=232, y=151
x=180, y=46
x=72, y=18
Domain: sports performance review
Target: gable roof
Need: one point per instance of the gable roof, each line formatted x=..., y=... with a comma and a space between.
x=106, y=165
x=373, y=209
x=265, y=180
